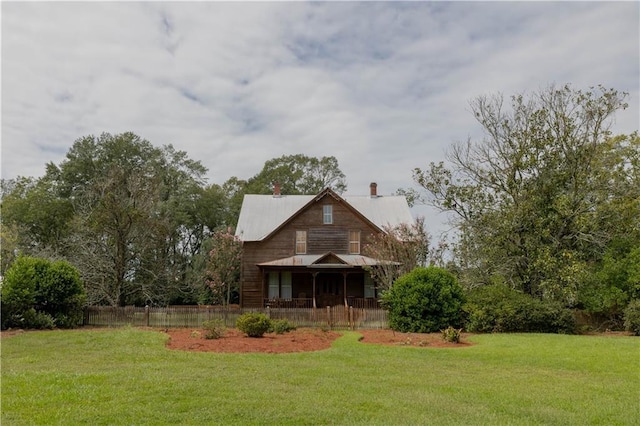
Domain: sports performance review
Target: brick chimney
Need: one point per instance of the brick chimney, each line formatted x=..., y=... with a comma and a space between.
x=373, y=189
x=276, y=189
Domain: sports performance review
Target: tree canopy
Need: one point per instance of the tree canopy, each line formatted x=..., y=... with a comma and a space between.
x=296, y=175
x=545, y=196
x=140, y=221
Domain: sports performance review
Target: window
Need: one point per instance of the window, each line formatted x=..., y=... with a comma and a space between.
x=301, y=242
x=279, y=285
x=354, y=242
x=369, y=287
x=274, y=285
x=285, y=285
x=327, y=214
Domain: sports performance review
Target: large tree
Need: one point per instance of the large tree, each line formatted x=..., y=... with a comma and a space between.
x=296, y=174
x=544, y=194
x=135, y=223
x=34, y=217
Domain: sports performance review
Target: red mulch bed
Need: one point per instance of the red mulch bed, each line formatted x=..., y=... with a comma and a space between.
x=300, y=340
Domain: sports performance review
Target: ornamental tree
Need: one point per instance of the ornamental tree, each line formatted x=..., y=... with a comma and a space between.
x=223, y=265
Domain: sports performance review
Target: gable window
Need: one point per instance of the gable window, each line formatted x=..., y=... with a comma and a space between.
x=301, y=242
x=354, y=242
x=327, y=214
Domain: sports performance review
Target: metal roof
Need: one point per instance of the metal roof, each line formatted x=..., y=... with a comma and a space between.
x=261, y=214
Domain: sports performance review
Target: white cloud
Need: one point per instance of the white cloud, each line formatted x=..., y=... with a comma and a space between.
x=383, y=87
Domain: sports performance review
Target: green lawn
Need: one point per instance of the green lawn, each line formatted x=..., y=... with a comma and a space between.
x=126, y=376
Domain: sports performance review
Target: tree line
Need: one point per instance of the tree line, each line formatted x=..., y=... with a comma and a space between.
x=547, y=203
x=545, y=206
x=139, y=221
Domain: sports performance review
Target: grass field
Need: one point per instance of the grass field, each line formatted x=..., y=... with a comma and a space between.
x=126, y=376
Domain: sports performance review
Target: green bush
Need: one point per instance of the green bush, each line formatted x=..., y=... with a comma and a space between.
x=632, y=317
x=423, y=301
x=33, y=287
x=32, y=319
x=214, y=329
x=62, y=294
x=498, y=308
x=281, y=326
x=253, y=324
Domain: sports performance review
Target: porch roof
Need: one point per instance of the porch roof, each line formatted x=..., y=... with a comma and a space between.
x=316, y=261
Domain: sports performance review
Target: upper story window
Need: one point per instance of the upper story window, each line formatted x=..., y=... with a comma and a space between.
x=301, y=242
x=354, y=242
x=327, y=214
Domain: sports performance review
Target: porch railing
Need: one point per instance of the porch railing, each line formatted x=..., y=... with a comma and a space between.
x=354, y=302
x=289, y=303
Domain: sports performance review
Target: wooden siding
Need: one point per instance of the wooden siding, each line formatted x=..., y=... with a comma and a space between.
x=320, y=239
x=327, y=238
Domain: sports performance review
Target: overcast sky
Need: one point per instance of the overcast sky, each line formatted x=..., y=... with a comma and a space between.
x=384, y=87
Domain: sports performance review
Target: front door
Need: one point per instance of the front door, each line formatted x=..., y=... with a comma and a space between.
x=329, y=289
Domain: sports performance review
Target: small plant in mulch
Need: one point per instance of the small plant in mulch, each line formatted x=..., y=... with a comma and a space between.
x=195, y=334
x=281, y=326
x=253, y=324
x=451, y=335
x=214, y=329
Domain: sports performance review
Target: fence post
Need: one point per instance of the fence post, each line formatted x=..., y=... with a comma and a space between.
x=268, y=312
x=352, y=325
x=329, y=316
x=146, y=315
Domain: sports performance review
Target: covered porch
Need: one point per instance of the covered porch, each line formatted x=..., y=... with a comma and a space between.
x=318, y=281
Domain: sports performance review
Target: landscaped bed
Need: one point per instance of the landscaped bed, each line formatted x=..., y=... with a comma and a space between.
x=300, y=340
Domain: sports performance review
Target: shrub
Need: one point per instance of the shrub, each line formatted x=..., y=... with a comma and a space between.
x=498, y=308
x=44, y=287
x=281, y=326
x=423, y=301
x=632, y=317
x=19, y=290
x=31, y=318
x=61, y=294
x=451, y=334
x=253, y=324
x=214, y=329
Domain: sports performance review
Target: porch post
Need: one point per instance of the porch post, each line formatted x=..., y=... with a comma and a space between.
x=263, y=274
x=344, y=277
x=313, y=274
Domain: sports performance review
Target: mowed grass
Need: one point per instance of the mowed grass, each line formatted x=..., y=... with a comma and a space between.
x=127, y=376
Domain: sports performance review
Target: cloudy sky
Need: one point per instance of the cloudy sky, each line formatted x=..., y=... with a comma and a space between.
x=384, y=87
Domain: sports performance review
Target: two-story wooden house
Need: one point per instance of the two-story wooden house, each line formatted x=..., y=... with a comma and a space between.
x=306, y=250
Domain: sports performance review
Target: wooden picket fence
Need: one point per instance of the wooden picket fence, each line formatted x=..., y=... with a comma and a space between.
x=336, y=317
